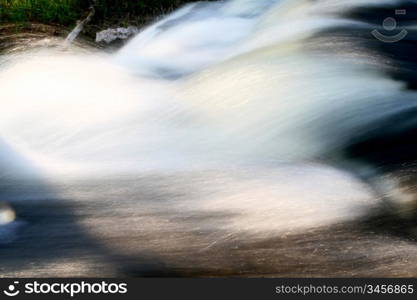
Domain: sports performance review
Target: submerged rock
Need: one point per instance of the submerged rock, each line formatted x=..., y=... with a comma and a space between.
x=112, y=34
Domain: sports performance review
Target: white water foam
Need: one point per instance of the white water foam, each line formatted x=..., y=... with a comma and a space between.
x=246, y=94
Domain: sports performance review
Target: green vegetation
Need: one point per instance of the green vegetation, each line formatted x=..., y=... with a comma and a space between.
x=133, y=11
x=63, y=12
x=66, y=12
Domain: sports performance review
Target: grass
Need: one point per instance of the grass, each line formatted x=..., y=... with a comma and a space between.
x=63, y=12
x=67, y=12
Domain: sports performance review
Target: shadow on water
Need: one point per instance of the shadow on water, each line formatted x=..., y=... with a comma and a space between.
x=147, y=235
x=46, y=237
x=51, y=242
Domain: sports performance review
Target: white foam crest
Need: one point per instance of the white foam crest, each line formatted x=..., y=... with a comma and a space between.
x=253, y=98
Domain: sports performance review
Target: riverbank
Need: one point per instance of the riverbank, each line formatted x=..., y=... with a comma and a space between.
x=15, y=36
x=22, y=20
x=66, y=13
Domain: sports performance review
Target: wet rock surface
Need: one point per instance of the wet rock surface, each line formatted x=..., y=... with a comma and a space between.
x=116, y=34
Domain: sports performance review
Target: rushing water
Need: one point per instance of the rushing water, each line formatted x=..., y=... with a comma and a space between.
x=243, y=93
x=222, y=85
